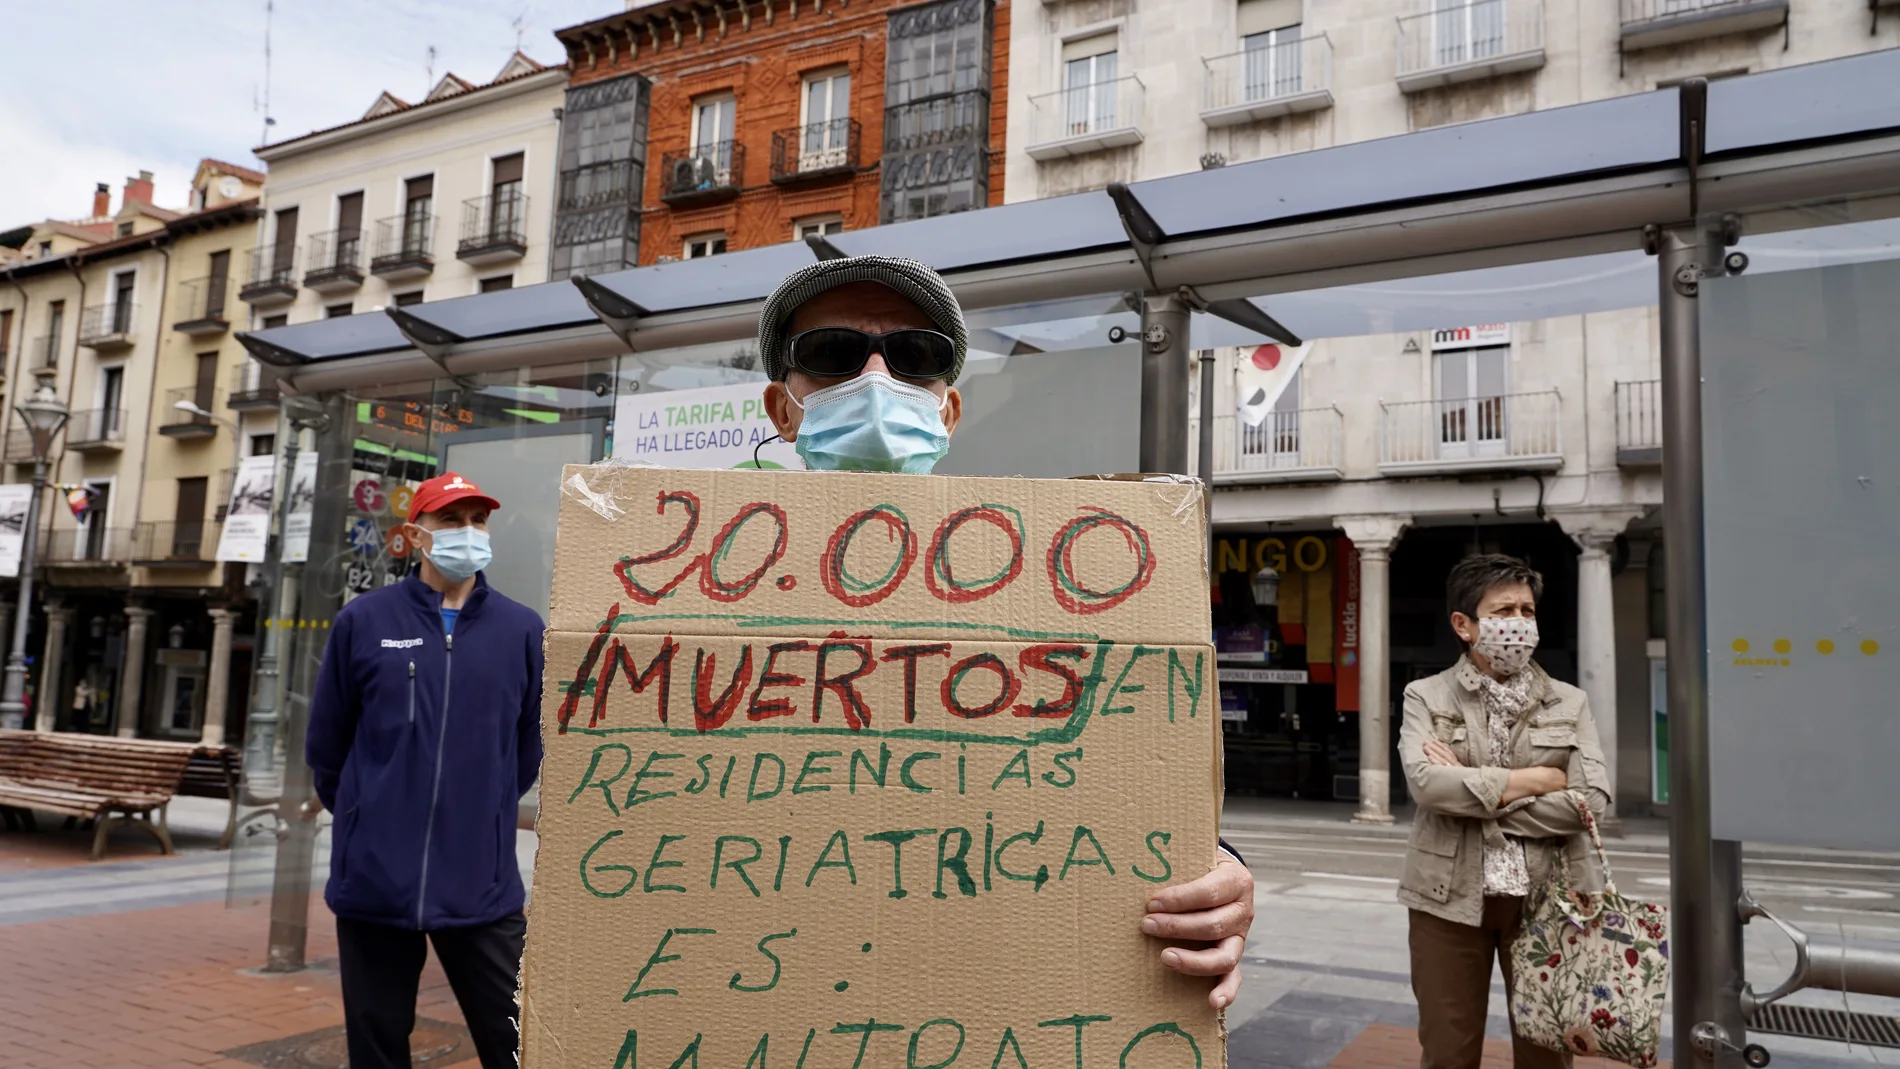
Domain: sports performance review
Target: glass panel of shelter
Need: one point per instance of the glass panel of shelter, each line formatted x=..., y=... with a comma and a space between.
x=1525, y=403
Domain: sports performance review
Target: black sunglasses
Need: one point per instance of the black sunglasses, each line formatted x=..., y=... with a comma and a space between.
x=836, y=352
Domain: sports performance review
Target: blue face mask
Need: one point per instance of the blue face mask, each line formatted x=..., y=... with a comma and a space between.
x=459, y=552
x=872, y=423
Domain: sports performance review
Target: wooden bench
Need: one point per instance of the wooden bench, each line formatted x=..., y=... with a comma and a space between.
x=214, y=772
x=110, y=781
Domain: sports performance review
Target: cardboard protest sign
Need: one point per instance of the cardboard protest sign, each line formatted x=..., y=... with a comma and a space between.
x=870, y=770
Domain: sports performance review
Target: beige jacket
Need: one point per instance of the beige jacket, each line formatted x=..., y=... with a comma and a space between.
x=1458, y=808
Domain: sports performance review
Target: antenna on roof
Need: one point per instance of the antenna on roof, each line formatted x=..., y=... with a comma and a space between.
x=431, y=72
x=270, y=6
x=521, y=29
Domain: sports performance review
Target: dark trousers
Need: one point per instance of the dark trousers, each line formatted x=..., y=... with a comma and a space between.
x=1451, y=978
x=382, y=967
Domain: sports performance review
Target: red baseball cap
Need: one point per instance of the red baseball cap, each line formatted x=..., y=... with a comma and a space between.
x=444, y=490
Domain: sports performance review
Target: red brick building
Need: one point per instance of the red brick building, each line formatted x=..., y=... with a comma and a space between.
x=766, y=121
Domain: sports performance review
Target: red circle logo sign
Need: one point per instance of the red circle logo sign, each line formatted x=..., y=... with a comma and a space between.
x=398, y=543
x=368, y=495
x=1267, y=357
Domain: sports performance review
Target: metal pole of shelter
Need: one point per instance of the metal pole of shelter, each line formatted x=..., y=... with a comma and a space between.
x=261, y=746
x=1204, y=466
x=1703, y=895
x=1164, y=384
x=320, y=596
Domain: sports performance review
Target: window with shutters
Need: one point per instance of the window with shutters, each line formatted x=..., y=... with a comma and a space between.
x=217, y=284
x=284, y=249
x=507, y=208
x=347, y=243
x=818, y=226
x=418, y=217
x=704, y=245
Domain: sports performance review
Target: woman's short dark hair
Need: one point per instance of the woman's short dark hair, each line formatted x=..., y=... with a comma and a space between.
x=1470, y=578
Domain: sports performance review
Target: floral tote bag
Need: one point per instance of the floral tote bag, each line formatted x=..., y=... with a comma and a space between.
x=1591, y=970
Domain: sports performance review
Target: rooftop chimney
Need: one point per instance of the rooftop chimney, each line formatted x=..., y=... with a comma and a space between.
x=101, y=201
x=138, y=190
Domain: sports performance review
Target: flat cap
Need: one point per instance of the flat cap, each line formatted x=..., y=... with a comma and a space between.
x=919, y=284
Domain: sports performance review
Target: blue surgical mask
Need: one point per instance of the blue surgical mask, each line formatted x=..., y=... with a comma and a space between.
x=459, y=552
x=872, y=423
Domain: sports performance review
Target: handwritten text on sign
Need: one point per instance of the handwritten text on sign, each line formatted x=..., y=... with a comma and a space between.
x=871, y=771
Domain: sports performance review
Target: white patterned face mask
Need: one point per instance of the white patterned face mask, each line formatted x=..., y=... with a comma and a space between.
x=1507, y=642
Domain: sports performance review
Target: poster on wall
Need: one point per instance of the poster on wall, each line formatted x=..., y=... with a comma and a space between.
x=14, y=498
x=246, y=534
x=1346, y=631
x=303, y=498
x=712, y=427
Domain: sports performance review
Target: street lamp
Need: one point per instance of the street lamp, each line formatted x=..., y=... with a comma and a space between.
x=44, y=414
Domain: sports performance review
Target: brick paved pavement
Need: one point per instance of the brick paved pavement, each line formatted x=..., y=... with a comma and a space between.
x=166, y=987
x=137, y=962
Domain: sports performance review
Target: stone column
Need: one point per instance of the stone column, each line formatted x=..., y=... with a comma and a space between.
x=132, y=677
x=1595, y=534
x=1372, y=540
x=218, y=686
x=52, y=665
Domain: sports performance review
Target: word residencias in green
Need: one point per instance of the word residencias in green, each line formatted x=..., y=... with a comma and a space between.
x=764, y=776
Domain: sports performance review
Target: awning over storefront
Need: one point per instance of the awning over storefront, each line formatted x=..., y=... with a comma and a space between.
x=1569, y=182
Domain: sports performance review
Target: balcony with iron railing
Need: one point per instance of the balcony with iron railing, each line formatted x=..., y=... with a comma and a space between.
x=1639, y=423
x=253, y=386
x=703, y=175
x=270, y=276
x=1086, y=118
x=90, y=545
x=42, y=355
x=1509, y=432
x=202, y=306
x=1292, y=446
x=1655, y=23
x=494, y=229
x=599, y=185
x=182, y=425
x=96, y=430
x=405, y=247
x=1469, y=41
x=106, y=327
x=814, y=151
x=1285, y=78
x=169, y=542
x=336, y=261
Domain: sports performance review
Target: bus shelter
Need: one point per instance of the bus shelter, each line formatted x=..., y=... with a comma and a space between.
x=1759, y=216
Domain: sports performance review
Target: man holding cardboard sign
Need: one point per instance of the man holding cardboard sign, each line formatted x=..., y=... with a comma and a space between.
x=862, y=352
x=831, y=756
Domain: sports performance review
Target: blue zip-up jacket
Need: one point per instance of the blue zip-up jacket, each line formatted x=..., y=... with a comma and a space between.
x=422, y=745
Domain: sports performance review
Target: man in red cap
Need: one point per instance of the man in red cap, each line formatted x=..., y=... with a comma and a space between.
x=424, y=734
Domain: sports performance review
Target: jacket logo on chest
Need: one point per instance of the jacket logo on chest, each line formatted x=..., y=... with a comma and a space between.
x=401, y=643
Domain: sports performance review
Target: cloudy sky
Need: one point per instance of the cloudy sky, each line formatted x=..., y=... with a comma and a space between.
x=100, y=89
